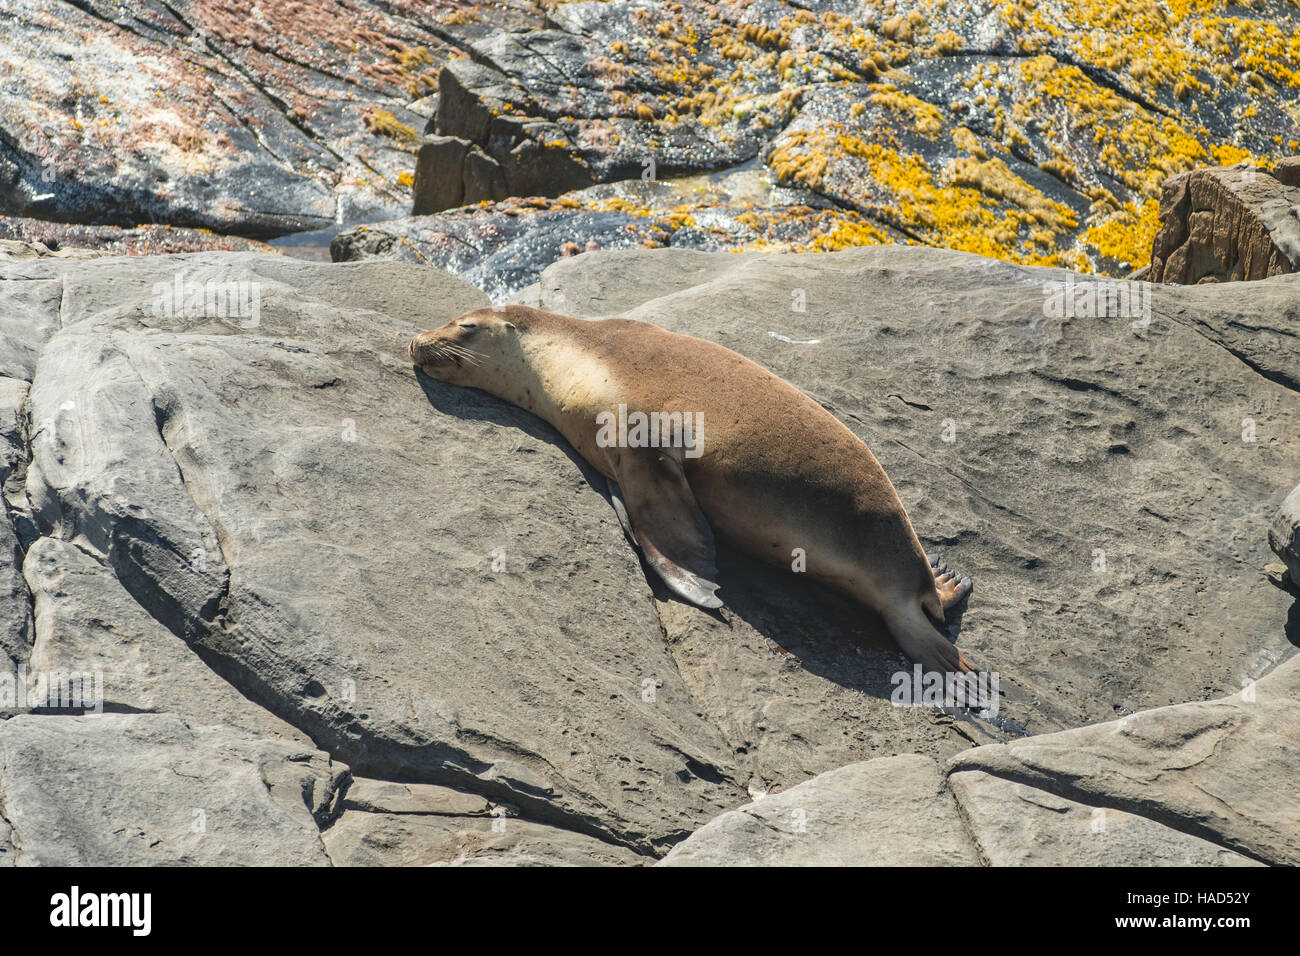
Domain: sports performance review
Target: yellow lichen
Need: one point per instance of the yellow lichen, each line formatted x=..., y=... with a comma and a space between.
x=384, y=123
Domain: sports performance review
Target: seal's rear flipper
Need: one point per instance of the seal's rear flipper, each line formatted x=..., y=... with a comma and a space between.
x=658, y=511
x=921, y=641
x=952, y=587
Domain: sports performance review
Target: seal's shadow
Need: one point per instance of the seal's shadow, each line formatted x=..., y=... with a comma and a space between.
x=476, y=405
x=827, y=634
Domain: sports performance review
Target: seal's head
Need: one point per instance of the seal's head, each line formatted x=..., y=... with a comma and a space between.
x=469, y=350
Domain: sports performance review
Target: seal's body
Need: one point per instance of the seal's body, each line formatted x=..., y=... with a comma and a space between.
x=766, y=467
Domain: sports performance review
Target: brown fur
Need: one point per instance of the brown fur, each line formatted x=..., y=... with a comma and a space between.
x=777, y=472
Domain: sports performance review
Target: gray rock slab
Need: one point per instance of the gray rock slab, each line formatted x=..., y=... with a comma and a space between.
x=894, y=811
x=389, y=839
x=385, y=796
x=87, y=623
x=1224, y=771
x=320, y=526
x=152, y=789
x=1017, y=825
x=1284, y=534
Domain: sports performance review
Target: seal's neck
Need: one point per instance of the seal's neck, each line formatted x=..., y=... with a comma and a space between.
x=555, y=377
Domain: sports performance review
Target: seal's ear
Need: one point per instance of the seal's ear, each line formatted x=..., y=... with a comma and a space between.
x=659, y=513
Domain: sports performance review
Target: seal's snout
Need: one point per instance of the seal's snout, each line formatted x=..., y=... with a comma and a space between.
x=417, y=346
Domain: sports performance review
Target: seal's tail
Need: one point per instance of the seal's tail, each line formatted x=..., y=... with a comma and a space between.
x=921, y=641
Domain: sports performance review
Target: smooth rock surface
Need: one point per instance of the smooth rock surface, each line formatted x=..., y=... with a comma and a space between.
x=893, y=811
x=423, y=839
x=1017, y=825
x=383, y=796
x=87, y=623
x=1226, y=771
x=148, y=790
x=254, y=489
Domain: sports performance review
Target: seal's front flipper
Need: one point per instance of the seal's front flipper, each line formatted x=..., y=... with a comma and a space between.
x=620, y=509
x=657, y=509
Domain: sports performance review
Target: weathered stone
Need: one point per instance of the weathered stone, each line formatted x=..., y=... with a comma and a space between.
x=382, y=796
x=1225, y=771
x=34, y=238
x=252, y=119
x=469, y=93
x=87, y=623
x=505, y=246
x=1287, y=171
x=326, y=530
x=894, y=811
x=1017, y=825
x=6, y=844
x=17, y=249
x=387, y=839
x=956, y=123
x=15, y=602
x=15, y=608
x=484, y=178
x=151, y=789
x=1284, y=534
x=439, y=182
x=1227, y=224
x=197, y=420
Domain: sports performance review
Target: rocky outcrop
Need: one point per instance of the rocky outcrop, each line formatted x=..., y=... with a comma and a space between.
x=1224, y=771
x=956, y=123
x=227, y=492
x=894, y=811
x=388, y=824
x=503, y=247
x=243, y=118
x=1197, y=784
x=16, y=249
x=951, y=123
x=1228, y=224
x=31, y=238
